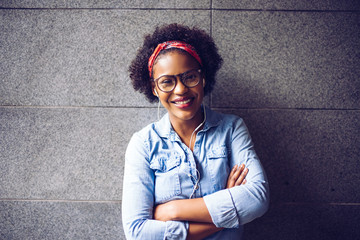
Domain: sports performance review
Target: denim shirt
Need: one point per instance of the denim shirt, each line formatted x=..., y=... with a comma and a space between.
x=159, y=168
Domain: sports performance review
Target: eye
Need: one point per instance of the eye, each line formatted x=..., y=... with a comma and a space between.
x=166, y=81
x=191, y=77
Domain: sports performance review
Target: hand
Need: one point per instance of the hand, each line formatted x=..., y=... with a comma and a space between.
x=237, y=176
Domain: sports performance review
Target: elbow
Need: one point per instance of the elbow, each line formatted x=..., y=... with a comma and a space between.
x=133, y=229
x=262, y=202
x=258, y=206
x=263, y=206
x=264, y=199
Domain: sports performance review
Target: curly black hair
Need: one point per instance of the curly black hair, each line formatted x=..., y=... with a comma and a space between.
x=199, y=39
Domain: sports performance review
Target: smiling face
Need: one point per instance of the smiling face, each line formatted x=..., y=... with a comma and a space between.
x=183, y=104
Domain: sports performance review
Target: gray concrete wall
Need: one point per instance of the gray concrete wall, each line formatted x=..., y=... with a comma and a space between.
x=67, y=109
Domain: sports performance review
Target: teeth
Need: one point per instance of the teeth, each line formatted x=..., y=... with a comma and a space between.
x=183, y=102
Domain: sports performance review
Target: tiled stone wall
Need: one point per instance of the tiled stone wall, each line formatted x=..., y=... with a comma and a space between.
x=67, y=109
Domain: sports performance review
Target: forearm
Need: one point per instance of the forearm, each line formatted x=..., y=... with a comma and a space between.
x=199, y=230
x=193, y=210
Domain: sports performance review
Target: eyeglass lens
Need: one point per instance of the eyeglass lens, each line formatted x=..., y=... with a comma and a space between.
x=189, y=79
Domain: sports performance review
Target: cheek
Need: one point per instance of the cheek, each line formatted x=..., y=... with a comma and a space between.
x=200, y=91
x=163, y=97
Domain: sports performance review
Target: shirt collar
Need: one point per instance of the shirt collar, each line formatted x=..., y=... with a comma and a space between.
x=165, y=130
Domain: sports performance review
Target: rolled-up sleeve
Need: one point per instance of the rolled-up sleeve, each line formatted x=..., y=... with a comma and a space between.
x=138, y=199
x=239, y=205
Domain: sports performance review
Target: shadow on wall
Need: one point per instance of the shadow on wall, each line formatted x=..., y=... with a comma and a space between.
x=309, y=157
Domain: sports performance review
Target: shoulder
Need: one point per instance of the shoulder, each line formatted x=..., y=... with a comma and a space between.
x=224, y=120
x=139, y=145
x=145, y=134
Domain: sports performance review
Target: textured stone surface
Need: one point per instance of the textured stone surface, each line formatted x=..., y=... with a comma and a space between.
x=71, y=153
x=61, y=167
x=288, y=5
x=288, y=59
x=306, y=221
x=29, y=220
x=151, y=4
x=309, y=156
x=78, y=57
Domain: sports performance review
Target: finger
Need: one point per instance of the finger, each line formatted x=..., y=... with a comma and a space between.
x=233, y=176
x=237, y=172
x=236, y=175
x=242, y=177
x=244, y=181
x=233, y=170
x=231, y=179
x=242, y=167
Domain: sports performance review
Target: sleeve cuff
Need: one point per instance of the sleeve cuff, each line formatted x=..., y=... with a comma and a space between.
x=224, y=214
x=176, y=230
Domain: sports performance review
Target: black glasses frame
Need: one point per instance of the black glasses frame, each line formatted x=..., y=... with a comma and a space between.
x=180, y=77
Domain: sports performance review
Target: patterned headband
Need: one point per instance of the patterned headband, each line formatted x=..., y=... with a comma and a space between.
x=172, y=44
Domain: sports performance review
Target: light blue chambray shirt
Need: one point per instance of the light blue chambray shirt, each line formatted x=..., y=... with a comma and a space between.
x=160, y=168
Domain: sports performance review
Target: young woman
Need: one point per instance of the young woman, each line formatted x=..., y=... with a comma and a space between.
x=185, y=174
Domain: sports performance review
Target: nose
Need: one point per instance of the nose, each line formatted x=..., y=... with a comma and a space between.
x=180, y=88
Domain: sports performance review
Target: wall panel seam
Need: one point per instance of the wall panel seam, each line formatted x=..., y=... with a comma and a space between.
x=59, y=200
x=108, y=9
x=189, y=9
x=155, y=107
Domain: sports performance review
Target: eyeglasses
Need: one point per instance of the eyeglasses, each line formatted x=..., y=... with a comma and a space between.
x=167, y=83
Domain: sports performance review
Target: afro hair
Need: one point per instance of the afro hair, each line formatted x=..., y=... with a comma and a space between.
x=199, y=39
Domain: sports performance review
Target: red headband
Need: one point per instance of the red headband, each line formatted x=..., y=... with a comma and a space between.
x=172, y=44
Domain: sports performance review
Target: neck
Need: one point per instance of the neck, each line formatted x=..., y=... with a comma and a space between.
x=185, y=128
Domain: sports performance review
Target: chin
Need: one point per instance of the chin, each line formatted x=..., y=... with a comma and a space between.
x=185, y=115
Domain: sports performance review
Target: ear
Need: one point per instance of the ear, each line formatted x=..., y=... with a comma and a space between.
x=204, y=82
x=153, y=88
x=155, y=92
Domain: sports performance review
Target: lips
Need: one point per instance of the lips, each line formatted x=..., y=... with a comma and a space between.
x=183, y=102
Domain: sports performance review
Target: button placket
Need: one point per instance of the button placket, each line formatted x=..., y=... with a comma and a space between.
x=193, y=154
x=192, y=162
x=190, y=156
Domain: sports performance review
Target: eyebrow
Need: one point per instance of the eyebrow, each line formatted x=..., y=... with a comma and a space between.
x=170, y=75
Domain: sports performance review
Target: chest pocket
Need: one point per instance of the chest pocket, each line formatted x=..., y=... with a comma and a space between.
x=167, y=180
x=218, y=166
